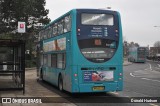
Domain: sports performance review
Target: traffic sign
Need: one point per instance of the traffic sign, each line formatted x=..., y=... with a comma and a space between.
x=21, y=27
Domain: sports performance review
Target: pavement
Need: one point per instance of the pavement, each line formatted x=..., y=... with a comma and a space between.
x=33, y=89
x=125, y=62
x=32, y=68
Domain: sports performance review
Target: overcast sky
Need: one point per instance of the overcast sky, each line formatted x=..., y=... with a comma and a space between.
x=138, y=16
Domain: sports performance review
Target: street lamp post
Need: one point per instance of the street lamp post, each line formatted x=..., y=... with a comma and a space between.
x=157, y=47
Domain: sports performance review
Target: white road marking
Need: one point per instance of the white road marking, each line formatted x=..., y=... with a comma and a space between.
x=153, y=104
x=132, y=75
x=116, y=93
x=150, y=79
x=137, y=71
x=147, y=69
x=150, y=67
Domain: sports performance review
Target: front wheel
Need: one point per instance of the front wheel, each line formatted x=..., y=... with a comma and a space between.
x=60, y=83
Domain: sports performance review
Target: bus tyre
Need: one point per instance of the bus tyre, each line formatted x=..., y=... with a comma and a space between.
x=60, y=83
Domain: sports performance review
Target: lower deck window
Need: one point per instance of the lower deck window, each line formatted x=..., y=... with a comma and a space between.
x=61, y=61
x=53, y=60
x=44, y=59
x=58, y=60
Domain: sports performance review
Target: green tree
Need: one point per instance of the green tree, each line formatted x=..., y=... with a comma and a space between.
x=30, y=11
x=0, y=15
x=157, y=44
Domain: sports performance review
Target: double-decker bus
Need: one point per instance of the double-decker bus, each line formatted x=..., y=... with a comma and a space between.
x=82, y=51
x=137, y=54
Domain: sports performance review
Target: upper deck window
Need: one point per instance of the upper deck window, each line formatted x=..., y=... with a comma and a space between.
x=55, y=29
x=60, y=27
x=67, y=24
x=97, y=19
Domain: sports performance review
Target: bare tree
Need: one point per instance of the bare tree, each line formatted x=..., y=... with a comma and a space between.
x=157, y=44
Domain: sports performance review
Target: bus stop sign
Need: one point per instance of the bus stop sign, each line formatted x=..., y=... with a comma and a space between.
x=21, y=27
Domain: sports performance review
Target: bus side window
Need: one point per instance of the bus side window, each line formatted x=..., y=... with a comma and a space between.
x=67, y=24
x=44, y=59
x=53, y=60
x=54, y=30
x=64, y=61
x=61, y=61
x=49, y=32
x=60, y=27
x=49, y=60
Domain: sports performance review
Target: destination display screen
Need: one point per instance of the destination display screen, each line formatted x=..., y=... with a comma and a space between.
x=97, y=19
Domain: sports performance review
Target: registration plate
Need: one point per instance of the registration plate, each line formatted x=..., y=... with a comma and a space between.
x=98, y=88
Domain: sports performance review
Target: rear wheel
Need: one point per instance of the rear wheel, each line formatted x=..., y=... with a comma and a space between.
x=60, y=83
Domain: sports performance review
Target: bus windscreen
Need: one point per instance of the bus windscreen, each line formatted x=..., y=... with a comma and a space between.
x=97, y=19
x=98, y=51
